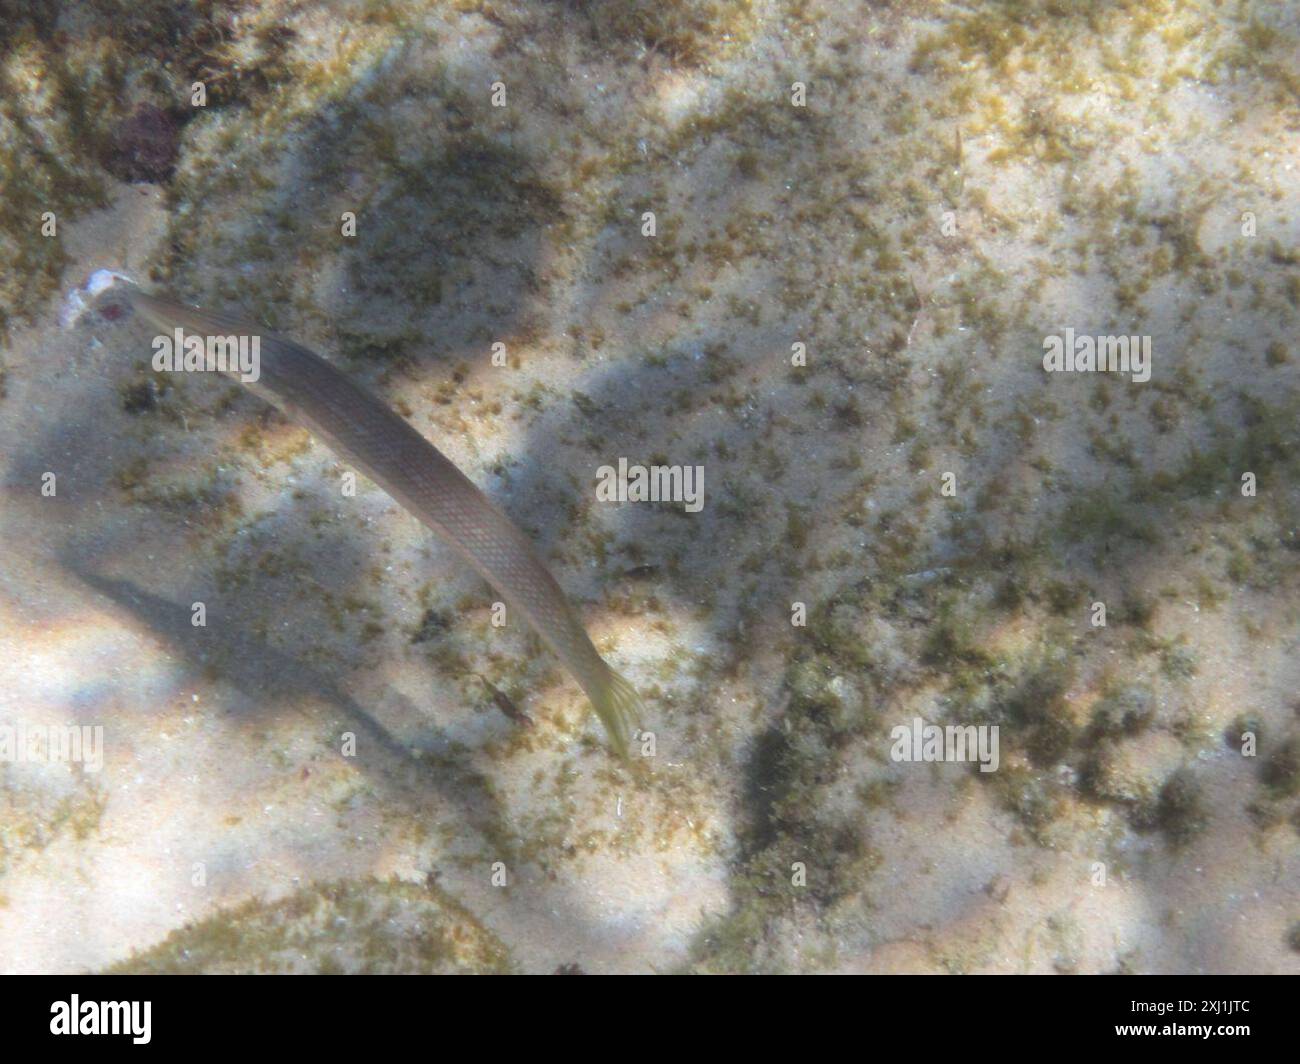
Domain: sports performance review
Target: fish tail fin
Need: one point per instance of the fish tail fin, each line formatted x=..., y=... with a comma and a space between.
x=619, y=708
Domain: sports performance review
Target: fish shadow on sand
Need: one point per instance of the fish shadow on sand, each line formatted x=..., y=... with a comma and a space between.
x=267, y=677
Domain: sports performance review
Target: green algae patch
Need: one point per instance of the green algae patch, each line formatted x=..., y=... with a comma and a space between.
x=43, y=171
x=32, y=819
x=370, y=926
x=801, y=855
x=689, y=32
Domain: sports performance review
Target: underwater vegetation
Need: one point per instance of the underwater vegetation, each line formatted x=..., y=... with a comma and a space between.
x=330, y=928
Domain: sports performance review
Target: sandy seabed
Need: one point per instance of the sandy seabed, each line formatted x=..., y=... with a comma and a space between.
x=867, y=218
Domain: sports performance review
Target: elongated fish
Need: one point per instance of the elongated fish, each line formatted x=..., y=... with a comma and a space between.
x=361, y=430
